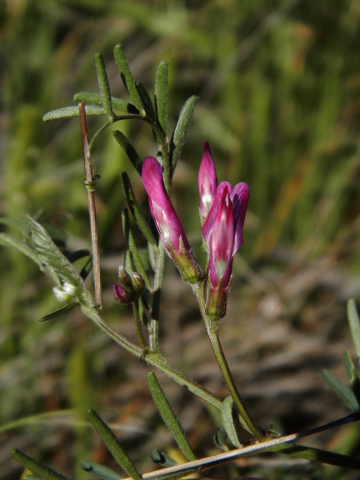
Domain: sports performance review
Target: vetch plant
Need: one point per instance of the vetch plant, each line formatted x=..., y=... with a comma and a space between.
x=222, y=215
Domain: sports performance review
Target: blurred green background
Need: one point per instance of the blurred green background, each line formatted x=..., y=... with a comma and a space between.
x=279, y=101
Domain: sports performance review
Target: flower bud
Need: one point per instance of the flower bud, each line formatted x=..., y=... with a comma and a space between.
x=138, y=283
x=130, y=288
x=167, y=222
x=207, y=182
x=125, y=278
x=122, y=295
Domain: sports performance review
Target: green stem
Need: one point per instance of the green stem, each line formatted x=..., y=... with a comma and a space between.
x=138, y=325
x=116, y=118
x=229, y=380
x=164, y=147
x=155, y=312
x=153, y=358
x=212, y=331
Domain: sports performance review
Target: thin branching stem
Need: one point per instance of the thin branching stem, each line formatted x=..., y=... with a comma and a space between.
x=138, y=325
x=164, y=147
x=155, y=311
x=152, y=358
x=89, y=177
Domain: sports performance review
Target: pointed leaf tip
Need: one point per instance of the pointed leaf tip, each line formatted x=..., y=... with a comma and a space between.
x=126, y=77
x=181, y=129
x=169, y=417
x=341, y=390
x=228, y=421
x=73, y=111
x=112, y=443
x=161, y=94
x=129, y=150
x=103, y=84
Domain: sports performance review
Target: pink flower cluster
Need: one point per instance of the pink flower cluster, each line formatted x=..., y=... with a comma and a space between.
x=222, y=212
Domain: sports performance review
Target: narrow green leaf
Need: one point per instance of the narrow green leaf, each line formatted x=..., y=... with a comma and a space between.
x=99, y=470
x=58, y=264
x=72, y=111
x=132, y=247
x=160, y=458
x=21, y=225
x=169, y=417
x=352, y=374
x=31, y=477
x=149, y=109
x=50, y=255
x=146, y=100
x=8, y=240
x=153, y=253
x=161, y=94
x=36, y=467
x=341, y=390
x=144, y=257
x=103, y=83
x=135, y=209
x=112, y=444
x=57, y=313
x=142, y=313
x=129, y=150
x=228, y=421
x=128, y=262
x=180, y=131
x=354, y=323
x=95, y=98
x=127, y=77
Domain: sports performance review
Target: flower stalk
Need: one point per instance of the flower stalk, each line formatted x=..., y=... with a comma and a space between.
x=212, y=332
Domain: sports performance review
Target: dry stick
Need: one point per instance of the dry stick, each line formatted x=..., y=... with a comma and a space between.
x=90, y=187
x=216, y=460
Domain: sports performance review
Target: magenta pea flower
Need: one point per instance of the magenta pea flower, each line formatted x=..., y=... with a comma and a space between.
x=207, y=182
x=167, y=222
x=223, y=234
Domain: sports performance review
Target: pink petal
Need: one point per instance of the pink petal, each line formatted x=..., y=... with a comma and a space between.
x=208, y=226
x=166, y=220
x=207, y=181
x=240, y=199
x=222, y=238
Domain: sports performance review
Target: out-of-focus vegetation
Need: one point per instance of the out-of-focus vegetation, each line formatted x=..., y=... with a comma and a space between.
x=279, y=88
